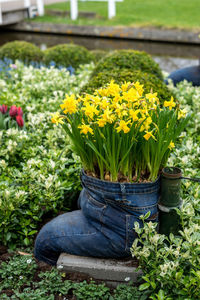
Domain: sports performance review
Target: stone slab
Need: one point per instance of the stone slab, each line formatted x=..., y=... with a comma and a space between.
x=111, y=271
x=129, y=33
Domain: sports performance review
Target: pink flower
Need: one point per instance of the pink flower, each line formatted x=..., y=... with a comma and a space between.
x=19, y=111
x=13, y=66
x=20, y=121
x=13, y=111
x=3, y=108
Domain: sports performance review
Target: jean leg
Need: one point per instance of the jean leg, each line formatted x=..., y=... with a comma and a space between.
x=73, y=234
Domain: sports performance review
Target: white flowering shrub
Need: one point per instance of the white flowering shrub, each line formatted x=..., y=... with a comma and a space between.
x=171, y=265
x=40, y=89
x=39, y=174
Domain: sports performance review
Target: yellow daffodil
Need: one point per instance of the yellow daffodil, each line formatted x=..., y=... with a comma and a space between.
x=85, y=129
x=139, y=88
x=113, y=88
x=101, y=122
x=125, y=86
x=170, y=103
x=182, y=113
x=69, y=104
x=123, y=126
x=152, y=97
x=90, y=110
x=104, y=103
x=108, y=116
x=133, y=114
x=57, y=118
x=131, y=95
x=171, y=145
x=148, y=135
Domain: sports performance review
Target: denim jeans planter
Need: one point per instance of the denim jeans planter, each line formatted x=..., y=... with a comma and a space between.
x=103, y=227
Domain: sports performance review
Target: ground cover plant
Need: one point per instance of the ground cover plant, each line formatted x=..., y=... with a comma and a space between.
x=37, y=170
x=176, y=13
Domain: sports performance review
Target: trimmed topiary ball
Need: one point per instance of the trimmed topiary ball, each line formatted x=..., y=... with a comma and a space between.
x=22, y=51
x=150, y=82
x=128, y=59
x=68, y=55
x=98, y=54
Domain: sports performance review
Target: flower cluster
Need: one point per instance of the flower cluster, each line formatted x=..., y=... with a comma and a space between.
x=9, y=118
x=119, y=130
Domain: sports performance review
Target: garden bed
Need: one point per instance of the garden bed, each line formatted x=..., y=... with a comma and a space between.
x=38, y=172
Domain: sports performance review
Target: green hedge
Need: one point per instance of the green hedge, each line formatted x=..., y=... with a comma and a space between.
x=128, y=59
x=68, y=55
x=150, y=82
x=98, y=54
x=21, y=50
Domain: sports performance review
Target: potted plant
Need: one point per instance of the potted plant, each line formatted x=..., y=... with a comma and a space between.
x=123, y=138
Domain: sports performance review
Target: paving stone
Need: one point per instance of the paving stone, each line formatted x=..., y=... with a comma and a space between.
x=111, y=271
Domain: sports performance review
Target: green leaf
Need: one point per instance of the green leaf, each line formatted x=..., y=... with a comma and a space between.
x=26, y=241
x=144, y=286
x=8, y=236
x=161, y=295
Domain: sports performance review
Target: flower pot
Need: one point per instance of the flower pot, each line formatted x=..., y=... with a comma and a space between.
x=104, y=225
x=114, y=207
x=170, y=187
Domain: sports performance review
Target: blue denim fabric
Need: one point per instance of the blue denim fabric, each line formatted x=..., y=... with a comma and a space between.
x=103, y=227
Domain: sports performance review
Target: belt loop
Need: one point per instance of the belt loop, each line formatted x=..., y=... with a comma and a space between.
x=123, y=191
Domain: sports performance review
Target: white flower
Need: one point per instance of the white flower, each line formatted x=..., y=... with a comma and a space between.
x=29, y=261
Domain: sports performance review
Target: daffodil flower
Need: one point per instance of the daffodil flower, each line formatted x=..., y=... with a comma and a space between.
x=57, y=118
x=170, y=103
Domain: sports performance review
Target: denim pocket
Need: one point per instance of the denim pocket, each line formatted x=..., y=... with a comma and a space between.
x=94, y=210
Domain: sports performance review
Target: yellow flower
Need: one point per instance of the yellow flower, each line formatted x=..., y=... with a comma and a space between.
x=69, y=104
x=113, y=88
x=56, y=118
x=133, y=114
x=182, y=113
x=123, y=126
x=104, y=103
x=139, y=87
x=101, y=122
x=90, y=110
x=152, y=97
x=120, y=110
x=85, y=129
x=125, y=86
x=171, y=145
x=148, y=135
x=108, y=116
x=131, y=95
x=102, y=92
x=170, y=103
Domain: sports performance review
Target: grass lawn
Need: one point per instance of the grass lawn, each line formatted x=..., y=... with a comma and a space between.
x=160, y=13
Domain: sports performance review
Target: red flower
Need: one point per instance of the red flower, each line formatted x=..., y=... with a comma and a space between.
x=20, y=121
x=3, y=108
x=19, y=111
x=13, y=111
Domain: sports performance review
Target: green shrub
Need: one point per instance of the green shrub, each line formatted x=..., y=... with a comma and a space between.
x=98, y=54
x=150, y=82
x=21, y=50
x=128, y=59
x=68, y=55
